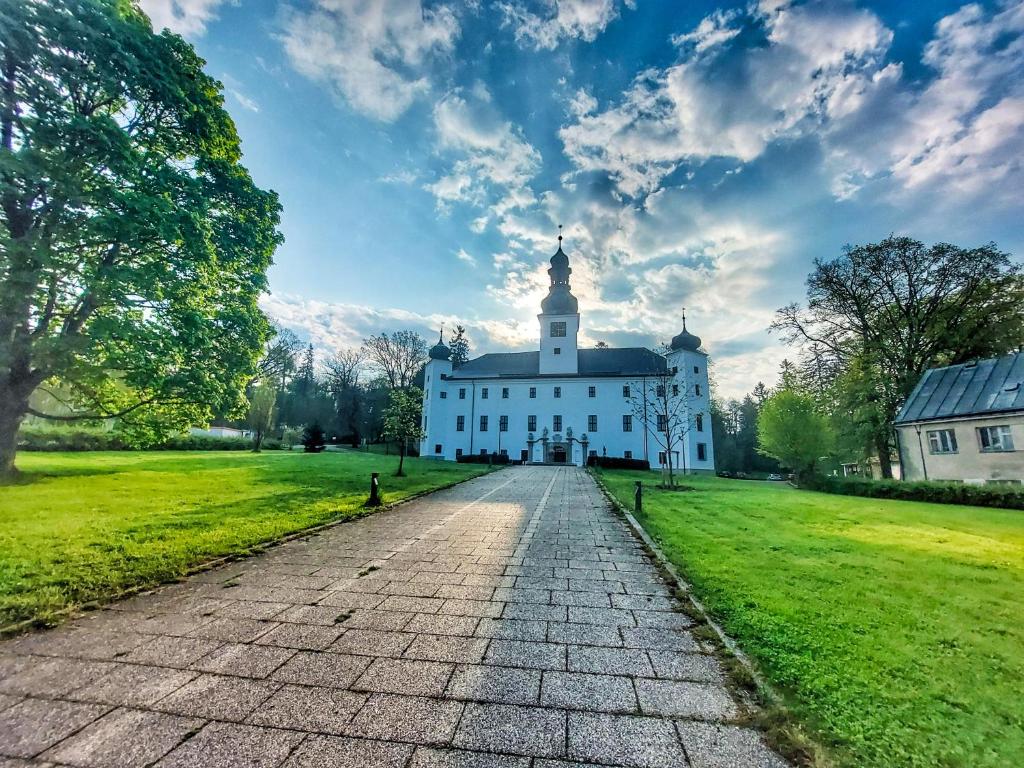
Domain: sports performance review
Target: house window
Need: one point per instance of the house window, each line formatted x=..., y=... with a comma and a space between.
x=558, y=329
x=627, y=423
x=625, y=391
x=556, y=423
x=558, y=391
x=533, y=391
x=702, y=452
x=483, y=451
x=458, y=452
x=675, y=390
x=444, y=395
x=483, y=423
x=437, y=448
x=942, y=441
x=627, y=454
x=591, y=423
x=503, y=423
x=591, y=391
x=591, y=453
x=462, y=393
x=558, y=350
x=995, y=438
x=660, y=391
x=661, y=458
x=504, y=393
x=700, y=422
x=460, y=423
x=696, y=369
x=696, y=389
x=531, y=423
x=483, y=393
x=662, y=422
x=675, y=369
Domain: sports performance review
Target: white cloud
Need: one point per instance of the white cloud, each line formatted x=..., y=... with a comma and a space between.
x=583, y=19
x=375, y=55
x=186, y=17
x=464, y=256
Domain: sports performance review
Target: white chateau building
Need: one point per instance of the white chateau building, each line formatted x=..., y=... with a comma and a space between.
x=562, y=403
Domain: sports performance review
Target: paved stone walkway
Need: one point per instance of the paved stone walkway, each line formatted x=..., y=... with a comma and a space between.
x=512, y=621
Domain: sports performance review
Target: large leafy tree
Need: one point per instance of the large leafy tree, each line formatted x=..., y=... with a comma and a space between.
x=888, y=311
x=402, y=421
x=792, y=430
x=133, y=244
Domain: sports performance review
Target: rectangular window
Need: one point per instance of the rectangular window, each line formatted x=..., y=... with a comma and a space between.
x=558, y=329
x=591, y=423
x=483, y=423
x=444, y=395
x=460, y=423
x=458, y=452
x=661, y=458
x=995, y=438
x=675, y=369
x=556, y=423
x=558, y=350
x=696, y=389
x=462, y=393
x=702, y=452
x=662, y=422
x=675, y=390
x=483, y=393
x=437, y=448
x=696, y=369
x=483, y=451
x=942, y=441
x=627, y=454
x=558, y=391
x=660, y=391
x=533, y=392
x=700, y=422
x=503, y=423
x=625, y=391
x=591, y=391
x=592, y=453
x=504, y=393
x=531, y=423
x=627, y=423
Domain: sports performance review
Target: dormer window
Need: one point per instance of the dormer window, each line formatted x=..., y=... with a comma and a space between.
x=558, y=329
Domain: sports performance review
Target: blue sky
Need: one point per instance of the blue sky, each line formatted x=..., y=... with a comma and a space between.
x=699, y=154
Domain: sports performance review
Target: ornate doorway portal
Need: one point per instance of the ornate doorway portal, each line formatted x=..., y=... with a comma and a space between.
x=558, y=453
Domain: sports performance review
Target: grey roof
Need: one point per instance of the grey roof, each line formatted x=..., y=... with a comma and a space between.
x=971, y=389
x=628, y=361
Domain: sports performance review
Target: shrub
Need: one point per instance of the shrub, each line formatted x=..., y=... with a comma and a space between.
x=484, y=458
x=313, y=438
x=1006, y=497
x=202, y=443
x=617, y=462
x=43, y=439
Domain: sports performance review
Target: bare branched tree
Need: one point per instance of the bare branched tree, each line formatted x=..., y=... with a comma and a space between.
x=398, y=356
x=278, y=361
x=665, y=407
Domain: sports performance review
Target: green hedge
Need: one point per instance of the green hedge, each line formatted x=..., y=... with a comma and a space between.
x=1003, y=496
x=96, y=440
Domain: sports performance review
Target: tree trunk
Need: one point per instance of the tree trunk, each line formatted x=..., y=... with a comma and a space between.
x=12, y=412
x=884, y=459
x=401, y=460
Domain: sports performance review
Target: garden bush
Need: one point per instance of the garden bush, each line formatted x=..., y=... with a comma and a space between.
x=43, y=439
x=483, y=458
x=617, y=462
x=1004, y=496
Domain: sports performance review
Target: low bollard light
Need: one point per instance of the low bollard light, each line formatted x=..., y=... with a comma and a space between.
x=374, y=500
x=638, y=498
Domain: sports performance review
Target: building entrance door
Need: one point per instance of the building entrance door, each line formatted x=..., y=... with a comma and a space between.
x=558, y=454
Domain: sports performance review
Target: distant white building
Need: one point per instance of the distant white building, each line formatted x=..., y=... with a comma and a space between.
x=560, y=403
x=216, y=431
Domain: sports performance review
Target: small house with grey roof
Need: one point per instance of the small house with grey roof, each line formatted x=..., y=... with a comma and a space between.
x=560, y=403
x=966, y=422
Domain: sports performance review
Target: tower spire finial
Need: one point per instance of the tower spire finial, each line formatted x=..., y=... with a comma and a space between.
x=440, y=339
x=684, y=318
x=559, y=235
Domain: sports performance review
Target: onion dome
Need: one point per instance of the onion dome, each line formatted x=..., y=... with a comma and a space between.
x=685, y=340
x=439, y=351
x=559, y=300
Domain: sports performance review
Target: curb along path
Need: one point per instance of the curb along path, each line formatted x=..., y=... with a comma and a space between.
x=510, y=621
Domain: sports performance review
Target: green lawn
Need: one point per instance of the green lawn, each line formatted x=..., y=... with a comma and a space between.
x=88, y=525
x=893, y=629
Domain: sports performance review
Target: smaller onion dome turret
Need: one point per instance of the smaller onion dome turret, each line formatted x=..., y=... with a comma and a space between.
x=685, y=340
x=439, y=351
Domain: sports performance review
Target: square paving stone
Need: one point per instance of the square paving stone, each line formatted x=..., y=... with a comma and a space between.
x=610, y=616
x=133, y=685
x=28, y=728
x=172, y=651
x=513, y=595
x=40, y=676
x=124, y=738
x=676, y=665
x=466, y=650
x=644, y=603
x=440, y=624
x=228, y=745
x=594, y=585
x=371, y=642
x=512, y=629
x=244, y=660
x=306, y=637
x=325, y=710
x=643, y=742
x=321, y=615
x=481, y=608
x=8, y=701
x=725, y=746
x=663, y=619
x=406, y=718
x=659, y=639
x=534, y=612
x=334, y=670
x=609, y=661
x=584, y=634
x=247, y=609
x=502, y=685
x=430, y=757
x=218, y=697
x=72, y=643
x=390, y=621
x=596, y=693
x=334, y=752
x=670, y=698
x=581, y=599
x=233, y=630
x=417, y=678
x=520, y=730
x=410, y=589
x=517, y=653
x=412, y=604
x=172, y=624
